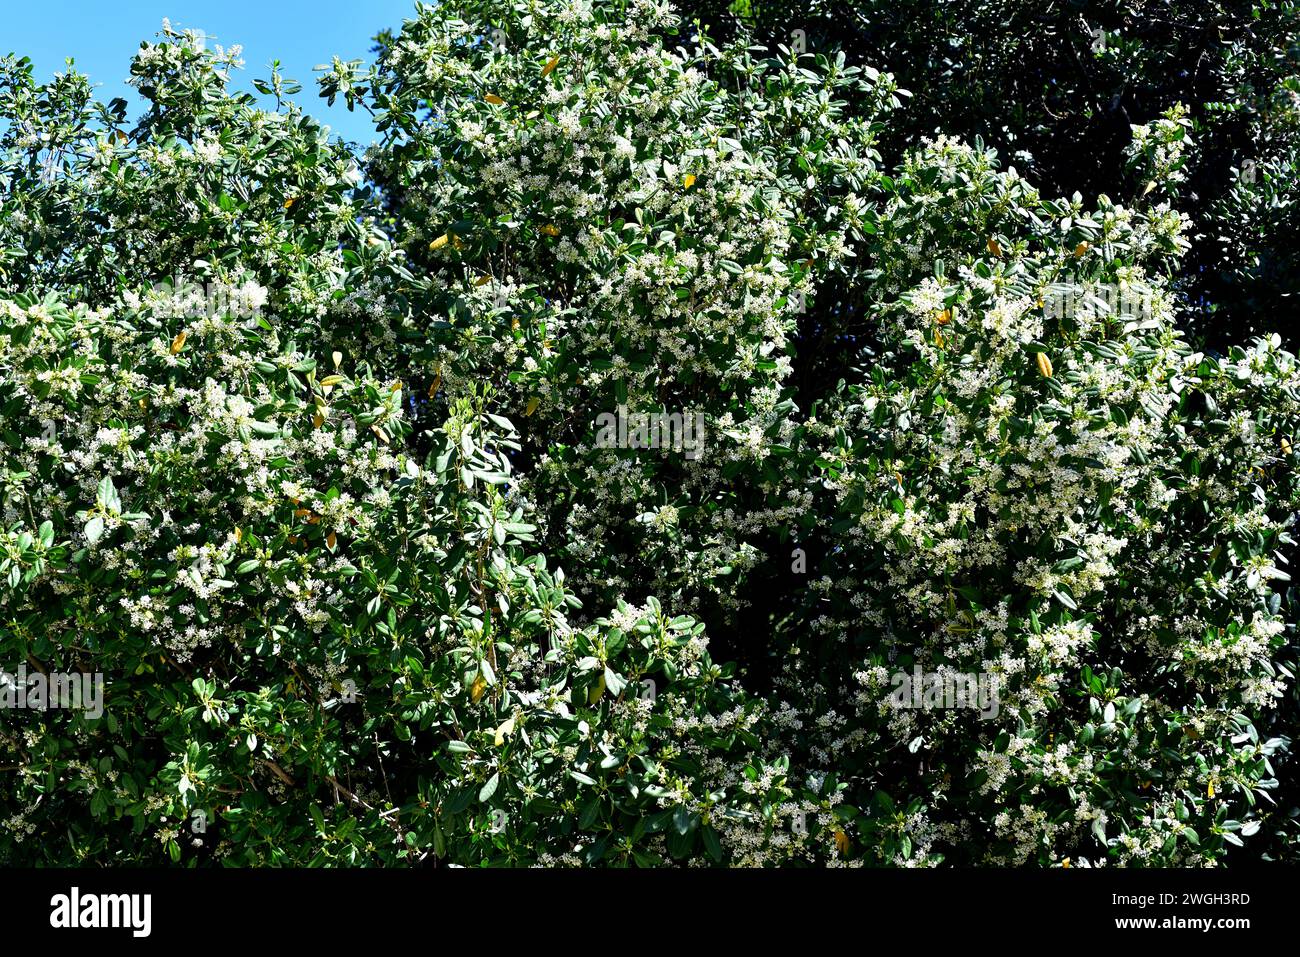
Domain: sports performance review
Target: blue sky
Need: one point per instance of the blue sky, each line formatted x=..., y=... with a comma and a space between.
x=102, y=35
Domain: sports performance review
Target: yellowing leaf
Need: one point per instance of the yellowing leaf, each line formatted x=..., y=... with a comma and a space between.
x=550, y=230
x=1209, y=791
x=1286, y=446
x=338, y=358
x=178, y=344
x=1080, y=249
x=1044, y=364
x=239, y=534
x=477, y=688
x=379, y=434
x=331, y=540
x=689, y=180
x=493, y=99
x=440, y=242
x=288, y=203
x=551, y=64
x=994, y=247
x=533, y=403
x=318, y=420
x=943, y=316
x=481, y=280
x=503, y=731
x=597, y=690
x=841, y=841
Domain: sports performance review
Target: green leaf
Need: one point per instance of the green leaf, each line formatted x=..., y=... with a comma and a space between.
x=94, y=529
x=711, y=843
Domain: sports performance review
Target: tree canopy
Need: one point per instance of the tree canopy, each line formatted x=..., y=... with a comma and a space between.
x=306, y=449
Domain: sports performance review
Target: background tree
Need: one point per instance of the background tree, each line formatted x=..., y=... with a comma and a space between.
x=1056, y=86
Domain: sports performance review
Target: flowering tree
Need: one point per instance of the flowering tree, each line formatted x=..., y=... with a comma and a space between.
x=311, y=459
x=1068, y=500
x=1058, y=88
